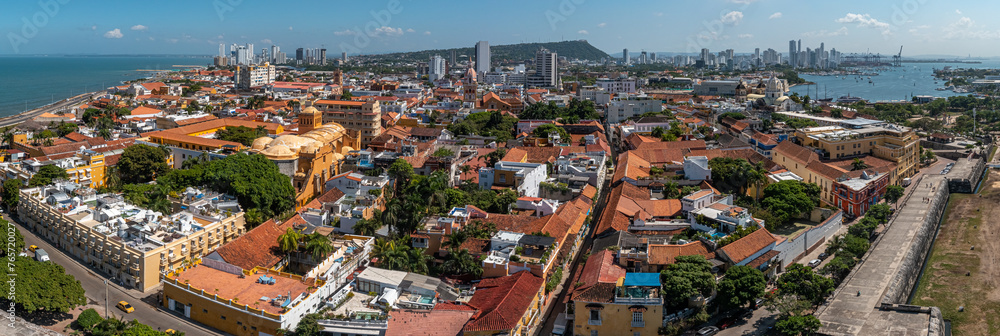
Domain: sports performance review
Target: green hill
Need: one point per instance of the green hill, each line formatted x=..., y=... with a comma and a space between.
x=580, y=49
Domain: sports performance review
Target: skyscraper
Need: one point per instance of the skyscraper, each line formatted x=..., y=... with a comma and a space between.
x=299, y=54
x=322, y=57
x=705, y=55
x=652, y=57
x=482, y=57
x=343, y=56
x=793, y=53
x=625, y=59
x=454, y=54
x=546, y=70
x=642, y=57
x=275, y=50
x=436, y=68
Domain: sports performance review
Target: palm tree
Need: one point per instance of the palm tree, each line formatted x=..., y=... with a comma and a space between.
x=7, y=135
x=114, y=180
x=253, y=217
x=657, y=132
x=319, y=246
x=461, y=262
x=390, y=216
x=417, y=260
x=756, y=177
x=858, y=165
x=289, y=241
x=456, y=239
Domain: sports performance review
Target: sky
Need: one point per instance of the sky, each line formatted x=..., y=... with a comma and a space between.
x=921, y=27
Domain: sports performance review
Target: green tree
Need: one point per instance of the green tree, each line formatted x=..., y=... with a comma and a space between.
x=308, y=326
x=730, y=175
x=46, y=174
x=687, y=276
x=366, y=227
x=879, y=212
x=401, y=172
x=254, y=180
x=17, y=243
x=855, y=246
x=787, y=200
x=443, y=152
x=803, y=282
x=142, y=163
x=65, y=128
x=289, y=241
x=543, y=131
x=857, y=164
x=461, y=262
x=893, y=193
x=88, y=319
x=798, y=325
x=741, y=285
x=242, y=134
x=11, y=193
x=657, y=132
x=253, y=217
x=839, y=266
x=43, y=286
x=495, y=156
x=318, y=246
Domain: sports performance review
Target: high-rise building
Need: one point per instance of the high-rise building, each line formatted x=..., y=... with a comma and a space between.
x=343, y=56
x=322, y=57
x=652, y=57
x=482, y=57
x=299, y=54
x=625, y=59
x=792, y=53
x=642, y=57
x=454, y=54
x=756, y=57
x=546, y=70
x=275, y=50
x=250, y=76
x=244, y=55
x=705, y=55
x=436, y=68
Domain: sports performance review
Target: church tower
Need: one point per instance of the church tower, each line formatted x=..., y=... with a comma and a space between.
x=470, y=85
x=309, y=119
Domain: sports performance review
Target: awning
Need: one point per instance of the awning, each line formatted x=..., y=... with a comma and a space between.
x=637, y=308
x=594, y=306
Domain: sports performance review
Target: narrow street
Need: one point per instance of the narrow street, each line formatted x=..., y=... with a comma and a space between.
x=147, y=310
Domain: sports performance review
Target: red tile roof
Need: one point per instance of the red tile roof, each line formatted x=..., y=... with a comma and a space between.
x=665, y=254
x=258, y=247
x=427, y=322
x=502, y=301
x=745, y=247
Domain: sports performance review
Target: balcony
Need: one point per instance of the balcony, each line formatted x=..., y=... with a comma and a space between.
x=639, y=300
x=638, y=324
x=594, y=322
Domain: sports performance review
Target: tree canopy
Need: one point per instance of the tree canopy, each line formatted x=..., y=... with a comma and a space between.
x=142, y=163
x=43, y=286
x=46, y=174
x=254, y=180
x=543, y=131
x=576, y=109
x=686, y=277
x=492, y=123
x=729, y=175
x=787, y=200
x=798, y=325
x=741, y=285
x=803, y=282
x=242, y=134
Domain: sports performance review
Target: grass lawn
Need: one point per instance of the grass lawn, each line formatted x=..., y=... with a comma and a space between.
x=944, y=282
x=791, y=231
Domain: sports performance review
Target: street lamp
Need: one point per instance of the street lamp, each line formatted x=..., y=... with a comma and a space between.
x=106, y=299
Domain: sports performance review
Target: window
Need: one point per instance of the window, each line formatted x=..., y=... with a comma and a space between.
x=636, y=316
x=593, y=333
x=204, y=311
x=595, y=315
x=223, y=317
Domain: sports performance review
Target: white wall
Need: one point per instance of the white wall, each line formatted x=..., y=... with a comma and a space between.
x=792, y=248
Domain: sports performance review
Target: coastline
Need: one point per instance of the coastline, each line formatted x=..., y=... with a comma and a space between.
x=32, y=113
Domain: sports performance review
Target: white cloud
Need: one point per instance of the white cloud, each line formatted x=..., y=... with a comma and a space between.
x=94, y=27
x=139, y=28
x=744, y=2
x=602, y=25
x=114, y=34
x=825, y=33
x=958, y=12
x=173, y=40
x=745, y=36
x=776, y=15
x=583, y=32
x=266, y=41
x=345, y=32
x=866, y=21
x=427, y=32
x=964, y=22
x=152, y=38
x=387, y=31
x=289, y=28
x=967, y=29
x=658, y=14
x=410, y=30
x=733, y=18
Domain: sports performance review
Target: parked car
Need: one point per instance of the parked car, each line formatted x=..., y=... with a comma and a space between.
x=823, y=256
x=814, y=263
x=125, y=307
x=32, y=248
x=758, y=303
x=708, y=331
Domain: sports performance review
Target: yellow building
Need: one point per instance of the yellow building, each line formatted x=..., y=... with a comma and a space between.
x=609, y=301
x=86, y=168
x=361, y=119
x=310, y=158
x=128, y=243
x=847, y=138
x=509, y=305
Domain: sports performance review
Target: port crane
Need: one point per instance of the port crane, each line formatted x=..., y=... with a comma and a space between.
x=897, y=60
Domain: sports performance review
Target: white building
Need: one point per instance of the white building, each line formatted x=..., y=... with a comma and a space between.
x=696, y=168
x=620, y=109
x=618, y=85
x=482, y=57
x=546, y=70
x=436, y=68
x=250, y=76
x=522, y=176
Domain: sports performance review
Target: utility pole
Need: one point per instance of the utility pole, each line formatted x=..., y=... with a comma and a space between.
x=106, y=299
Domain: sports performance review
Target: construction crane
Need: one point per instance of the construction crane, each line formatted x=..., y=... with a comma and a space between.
x=897, y=60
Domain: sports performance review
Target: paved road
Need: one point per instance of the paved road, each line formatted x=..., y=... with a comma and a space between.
x=60, y=105
x=144, y=303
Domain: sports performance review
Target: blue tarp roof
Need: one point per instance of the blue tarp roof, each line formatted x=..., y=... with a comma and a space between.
x=642, y=279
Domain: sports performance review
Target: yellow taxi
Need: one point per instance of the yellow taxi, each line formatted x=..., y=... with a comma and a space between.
x=32, y=248
x=170, y=331
x=125, y=307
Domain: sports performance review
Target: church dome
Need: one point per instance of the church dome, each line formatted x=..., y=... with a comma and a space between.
x=309, y=110
x=261, y=143
x=279, y=152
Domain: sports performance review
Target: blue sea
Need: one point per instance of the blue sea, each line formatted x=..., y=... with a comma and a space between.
x=27, y=82
x=902, y=83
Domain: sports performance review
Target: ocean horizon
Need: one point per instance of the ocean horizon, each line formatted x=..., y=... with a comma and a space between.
x=34, y=81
